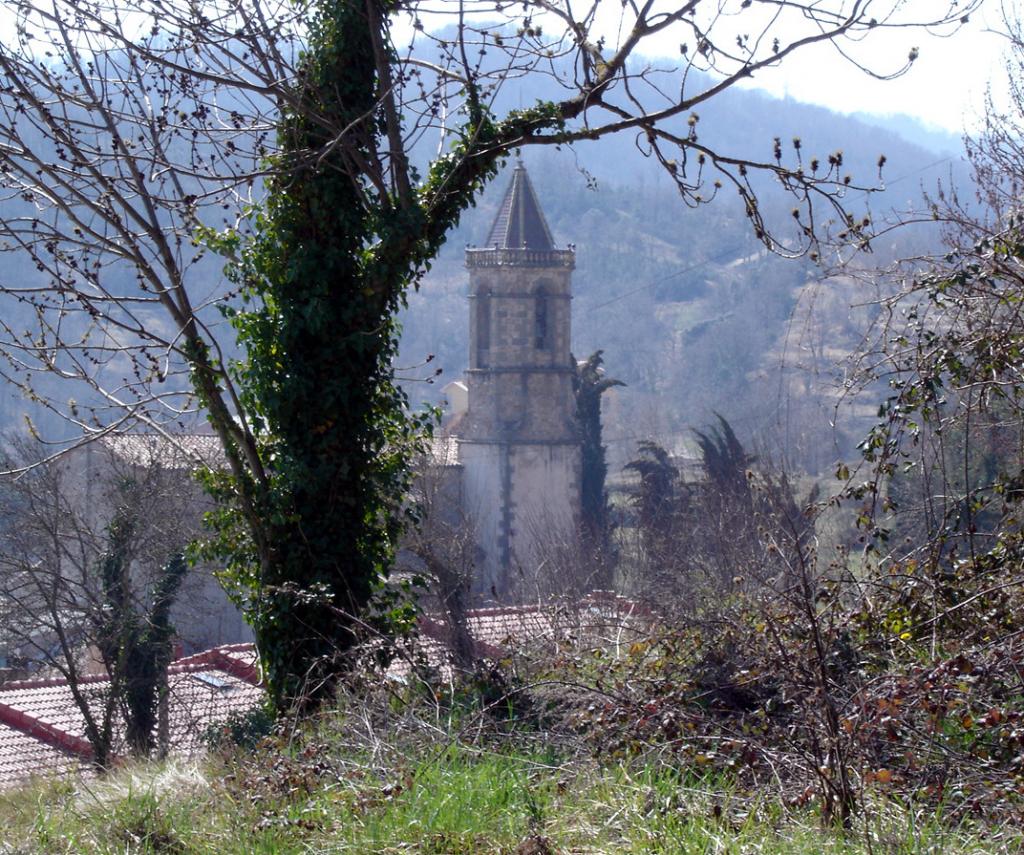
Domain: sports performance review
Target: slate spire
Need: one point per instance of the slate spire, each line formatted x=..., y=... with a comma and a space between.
x=520, y=222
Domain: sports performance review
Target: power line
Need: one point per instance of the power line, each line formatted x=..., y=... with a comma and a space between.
x=729, y=253
x=674, y=275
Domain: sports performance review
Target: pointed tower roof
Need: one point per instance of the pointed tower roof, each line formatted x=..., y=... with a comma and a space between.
x=520, y=223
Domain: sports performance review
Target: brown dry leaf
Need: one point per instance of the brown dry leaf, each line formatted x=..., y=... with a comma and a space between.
x=535, y=845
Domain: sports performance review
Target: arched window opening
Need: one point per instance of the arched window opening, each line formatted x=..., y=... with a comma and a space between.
x=483, y=326
x=542, y=319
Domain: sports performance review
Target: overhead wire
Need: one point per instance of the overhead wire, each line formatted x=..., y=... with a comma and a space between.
x=717, y=259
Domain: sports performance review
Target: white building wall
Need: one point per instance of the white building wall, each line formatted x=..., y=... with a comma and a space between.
x=484, y=489
x=203, y=615
x=544, y=503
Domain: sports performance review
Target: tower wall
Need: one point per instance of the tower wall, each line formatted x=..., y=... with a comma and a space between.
x=517, y=389
x=544, y=509
x=518, y=442
x=486, y=496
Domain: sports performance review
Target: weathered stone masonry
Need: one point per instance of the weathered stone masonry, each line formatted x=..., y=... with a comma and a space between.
x=519, y=444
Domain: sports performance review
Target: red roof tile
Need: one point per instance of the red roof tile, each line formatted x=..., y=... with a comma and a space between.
x=42, y=730
x=22, y=756
x=599, y=618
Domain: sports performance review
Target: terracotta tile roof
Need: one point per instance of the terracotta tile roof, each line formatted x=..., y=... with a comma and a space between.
x=239, y=660
x=23, y=755
x=174, y=451
x=589, y=620
x=198, y=699
x=599, y=618
x=48, y=713
x=42, y=730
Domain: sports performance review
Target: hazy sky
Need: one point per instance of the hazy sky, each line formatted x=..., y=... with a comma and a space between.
x=945, y=87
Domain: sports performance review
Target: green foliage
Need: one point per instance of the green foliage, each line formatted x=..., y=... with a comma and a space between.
x=244, y=729
x=722, y=730
x=308, y=528
x=136, y=647
x=449, y=797
x=319, y=335
x=724, y=460
x=141, y=823
x=656, y=498
x=736, y=525
x=149, y=655
x=945, y=450
x=589, y=384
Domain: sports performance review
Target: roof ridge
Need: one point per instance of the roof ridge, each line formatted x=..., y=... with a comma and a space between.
x=219, y=658
x=520, y=222
x=52, y=682
x=45, y=732
x=215, y=656
x=436, y=631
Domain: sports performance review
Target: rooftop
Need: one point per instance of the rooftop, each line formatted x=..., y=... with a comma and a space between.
x=42, y=731
x=174, y=451
x=520, y=235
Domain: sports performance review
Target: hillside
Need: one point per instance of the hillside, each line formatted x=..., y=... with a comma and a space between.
x=694, y=316
x=692, y=313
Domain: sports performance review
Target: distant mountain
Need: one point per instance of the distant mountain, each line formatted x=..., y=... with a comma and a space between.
x=690, y=310
x=937, y=140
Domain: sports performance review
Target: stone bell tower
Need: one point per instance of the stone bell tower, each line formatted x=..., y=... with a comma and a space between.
x=518, y=443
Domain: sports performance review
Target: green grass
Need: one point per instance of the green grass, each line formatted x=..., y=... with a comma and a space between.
x=447, y=800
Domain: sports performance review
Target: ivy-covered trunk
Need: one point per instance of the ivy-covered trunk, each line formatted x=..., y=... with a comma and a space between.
x=146, y=662
x=589, y=384
x=345, y=231
x=136, y=646
x=318, y=373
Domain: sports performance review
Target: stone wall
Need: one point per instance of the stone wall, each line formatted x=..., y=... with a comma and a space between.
x=518, y=442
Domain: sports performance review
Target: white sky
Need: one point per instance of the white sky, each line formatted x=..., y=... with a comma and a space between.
x=944, y=88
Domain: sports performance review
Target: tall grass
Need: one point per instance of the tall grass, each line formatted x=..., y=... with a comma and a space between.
x=449, y=800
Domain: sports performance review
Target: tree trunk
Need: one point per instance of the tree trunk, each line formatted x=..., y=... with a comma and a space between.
x=320, y=373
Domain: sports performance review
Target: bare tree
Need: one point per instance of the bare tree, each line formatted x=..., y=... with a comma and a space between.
x=88, y=582
x=444, y=543
x=736, y=524
x=944, y=456
x=133, y=133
